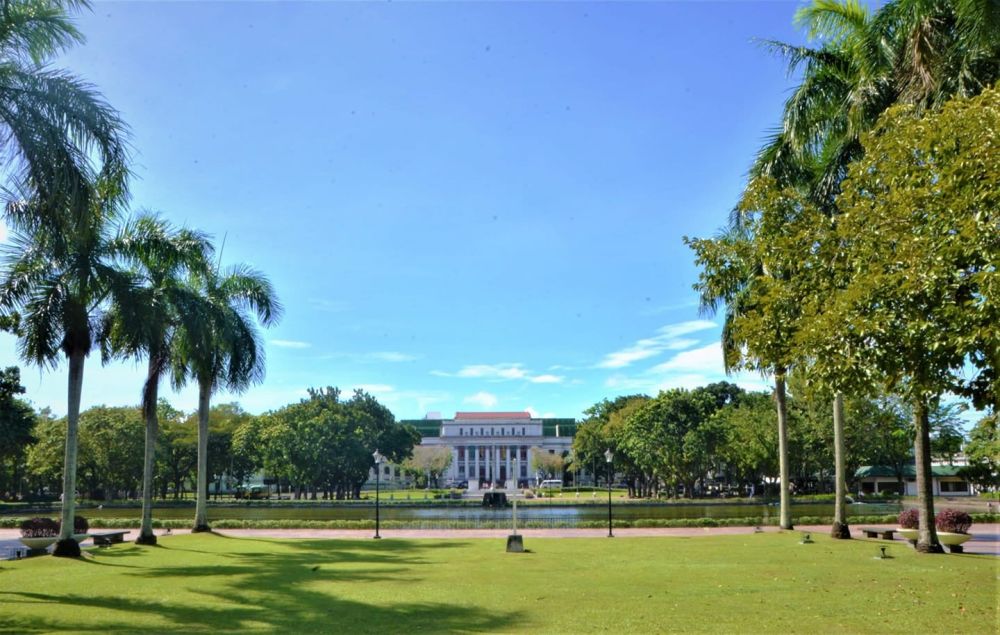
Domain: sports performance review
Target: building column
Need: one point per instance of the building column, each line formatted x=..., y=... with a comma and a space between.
x=510, y=467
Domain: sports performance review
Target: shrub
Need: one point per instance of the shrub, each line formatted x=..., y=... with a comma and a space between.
x=909, y=519
x=953, y=520
x=39, y=528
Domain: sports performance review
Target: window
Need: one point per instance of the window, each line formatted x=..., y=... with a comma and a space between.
x=461, y=431
x=954, y=486
x=385, y=471
x=523, y=433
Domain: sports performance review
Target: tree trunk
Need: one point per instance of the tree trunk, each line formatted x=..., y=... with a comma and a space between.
x=149, y=395
x=779, y=398
x=840, y=527
x=66, y=546
x=201, y=491
x=927, y=541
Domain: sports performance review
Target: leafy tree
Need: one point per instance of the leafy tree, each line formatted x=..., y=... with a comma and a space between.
x=918, y=245
x=750, y=446
x=176, y=452
x=596, y=434
x=883, y=435
x=17, y=421
x=44, y=457
x=550, y=465
x=983, y=453
x=324, y=442
x=111, y=450
x=947, y=437
x=666, y=437
x=429, y=462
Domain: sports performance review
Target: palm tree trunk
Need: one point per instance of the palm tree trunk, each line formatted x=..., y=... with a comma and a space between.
x=66, y=546
x=149, y=396
x=840, y=528
x=201, y=506
x=927, y=542
x=779, y=398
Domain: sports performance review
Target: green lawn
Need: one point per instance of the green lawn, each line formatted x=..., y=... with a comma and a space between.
x=746, y=583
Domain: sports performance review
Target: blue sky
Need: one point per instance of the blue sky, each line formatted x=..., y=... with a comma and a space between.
x=463, y=206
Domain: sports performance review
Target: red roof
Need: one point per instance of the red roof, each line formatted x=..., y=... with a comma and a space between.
x=492, y=415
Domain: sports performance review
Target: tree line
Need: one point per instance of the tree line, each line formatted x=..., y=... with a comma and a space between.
x=720, y=438
x=862, y=253
x=320, y=447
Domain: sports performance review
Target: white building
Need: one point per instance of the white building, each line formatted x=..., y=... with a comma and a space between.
x=484, y=445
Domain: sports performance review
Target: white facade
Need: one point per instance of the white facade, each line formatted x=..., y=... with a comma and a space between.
x=486, y=446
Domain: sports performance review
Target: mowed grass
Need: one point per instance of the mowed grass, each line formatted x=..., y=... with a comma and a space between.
x=744, y=583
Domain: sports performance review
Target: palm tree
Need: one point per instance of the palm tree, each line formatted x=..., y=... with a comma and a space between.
x=62, y=279
x=52, y=123
x=731, y=274
x=164, y=303
x=219, y=346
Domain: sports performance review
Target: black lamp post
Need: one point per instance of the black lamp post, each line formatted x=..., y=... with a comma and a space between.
x=609, y=456
x=379, y=459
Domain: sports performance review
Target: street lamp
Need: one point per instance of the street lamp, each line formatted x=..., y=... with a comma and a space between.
x=609, y=456
x=379, y=460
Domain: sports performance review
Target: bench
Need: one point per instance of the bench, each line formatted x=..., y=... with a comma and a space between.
x=876, y=532
x=108, y=538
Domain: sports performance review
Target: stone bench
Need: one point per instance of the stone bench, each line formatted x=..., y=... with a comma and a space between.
x=108, y=538
x=876, y=532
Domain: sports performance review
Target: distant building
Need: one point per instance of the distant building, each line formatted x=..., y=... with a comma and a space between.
x=484, y=444
x=946, y=480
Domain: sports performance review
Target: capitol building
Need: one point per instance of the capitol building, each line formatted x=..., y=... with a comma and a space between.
x=484, y=445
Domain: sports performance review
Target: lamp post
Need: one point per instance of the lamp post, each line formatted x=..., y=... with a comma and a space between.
x=609, y=456
x=379, y=459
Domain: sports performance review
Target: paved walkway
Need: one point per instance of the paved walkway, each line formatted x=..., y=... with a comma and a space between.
x=985, y=540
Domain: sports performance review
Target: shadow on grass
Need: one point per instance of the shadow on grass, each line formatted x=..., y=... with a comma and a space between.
x=282, y=587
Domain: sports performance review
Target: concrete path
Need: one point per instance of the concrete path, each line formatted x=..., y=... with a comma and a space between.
x=985, y=540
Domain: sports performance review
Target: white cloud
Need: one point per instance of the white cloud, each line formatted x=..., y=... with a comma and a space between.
x=687, y=369
x=667, y=338
x=484, y=399
x=707, y=359
x=392, y=356
x=546, y=379
x=531, y=411
x=289, y=344
x=493, y=371
x=500, y=372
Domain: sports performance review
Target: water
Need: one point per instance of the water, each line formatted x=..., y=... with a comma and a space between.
x=429, y=515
